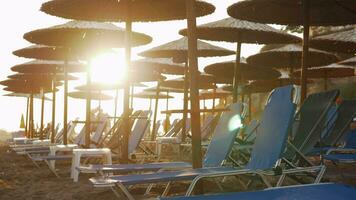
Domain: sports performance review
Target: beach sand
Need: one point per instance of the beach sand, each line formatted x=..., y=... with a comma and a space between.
x=20, y=179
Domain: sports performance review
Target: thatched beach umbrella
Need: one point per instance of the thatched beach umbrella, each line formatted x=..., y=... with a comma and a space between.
x=350, y=62
x=41, y=77
x=297, y=12
x=79, y=35
x=239, y=32
x=329, y=71
x=48, y=66
x=27, y=96
x=178, y=51
x=339, y=42
x=129, y=11
x=151, y=95
x=30, y=89
x=290, y=56
x=94, y=95
x=248, y=72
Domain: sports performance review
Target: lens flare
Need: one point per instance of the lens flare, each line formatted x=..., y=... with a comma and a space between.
x=235, y=122
x=109, y=68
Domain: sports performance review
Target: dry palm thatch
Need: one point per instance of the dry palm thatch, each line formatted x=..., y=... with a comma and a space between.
x=340, y=42
x=41, y=76
x=161, y=65
x=26, y=95
x=322, y=12
x=329, y=71
x=29, y=83
x=44, y=52
x=214, y=94
x=234, y=30
x=164, y=89
x=290, y=56
x=113, y=10
x=99, y=87
x=47, y=66
x=151, y=95
x=29, y=89
x=350, y=61
x=178, y=50
x=248, y=72
x=93, y=95
x=84, y=34
x=204, y=82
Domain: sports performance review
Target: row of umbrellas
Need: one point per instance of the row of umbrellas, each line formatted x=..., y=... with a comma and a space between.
x=75, y=40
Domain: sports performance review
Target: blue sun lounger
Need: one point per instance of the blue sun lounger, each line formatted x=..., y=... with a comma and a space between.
x=268, y=148
x=346, y=154
x=323, y=191
x=218, y=149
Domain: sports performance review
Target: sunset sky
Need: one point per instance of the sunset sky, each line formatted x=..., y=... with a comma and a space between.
x=21, y=16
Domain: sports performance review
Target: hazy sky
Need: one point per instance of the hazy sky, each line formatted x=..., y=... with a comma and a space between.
x=20, y=16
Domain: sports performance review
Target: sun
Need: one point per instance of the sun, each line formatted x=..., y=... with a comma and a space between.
x=108, y=68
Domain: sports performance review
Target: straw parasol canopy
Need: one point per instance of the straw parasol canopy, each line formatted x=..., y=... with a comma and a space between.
x=340, y=42
x=214, y=94
x=249, y=72
x=43, y=52
x=47, y=66
x=322, y=12
x=152, y=95
x=28, y=83
x=165, y=89
x=178, y=50
x=36, y=96
x=93, y=95
x=205, y=81
x=112, y=10
x=241, y=31
x=82, y=34
x=29, y=89
x=350, y=62
x=99, y=87
x=161, y=65
x=329, y=71
x=41, y=76
x=290, y=56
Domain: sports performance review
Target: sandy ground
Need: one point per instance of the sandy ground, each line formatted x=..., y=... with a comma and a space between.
x=20, y=179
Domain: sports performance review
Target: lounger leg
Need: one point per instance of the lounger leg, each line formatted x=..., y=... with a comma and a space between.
x=166, y=190
x=280, y=180
x=34, y=162
x=125, y=191
x=53, y=170
x=149, y=188
x=320, y=174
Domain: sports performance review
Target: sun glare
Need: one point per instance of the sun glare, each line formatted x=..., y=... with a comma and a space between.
x=109, y=68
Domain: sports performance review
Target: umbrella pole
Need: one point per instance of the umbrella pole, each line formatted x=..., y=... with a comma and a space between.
x=132, y=96
x=167, y=116
x=42, y=114
x=150, y=106
x=235, y=91
x=214, y=93
x=126, y=113
x=203, y=109
x=306, y=25
x=153, y=133
x=88, y=109
x=194, y=92
x=185, y=102
x=115, y=106
x=249, y=107
x=65, y=113
x=27, y=107
x=31, y=116
x=53, y=125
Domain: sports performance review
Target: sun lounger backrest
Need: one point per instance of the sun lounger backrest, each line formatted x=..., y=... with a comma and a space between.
x=174, y=128
x=273, y=129
x=99, y=131
x=251, y=130
x=138, y=131
x=350, y=139
x=208, y=122
x=224, y=136
x=312, y=116
x=330, y=120
x=346, y=113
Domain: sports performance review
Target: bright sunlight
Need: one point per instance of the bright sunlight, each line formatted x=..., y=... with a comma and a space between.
x=108, y=68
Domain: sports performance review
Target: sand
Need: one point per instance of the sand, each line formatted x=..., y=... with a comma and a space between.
x=20, y=179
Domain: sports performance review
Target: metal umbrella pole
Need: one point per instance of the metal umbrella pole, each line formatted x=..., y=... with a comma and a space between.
x=42, y=113
x=53, y=125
